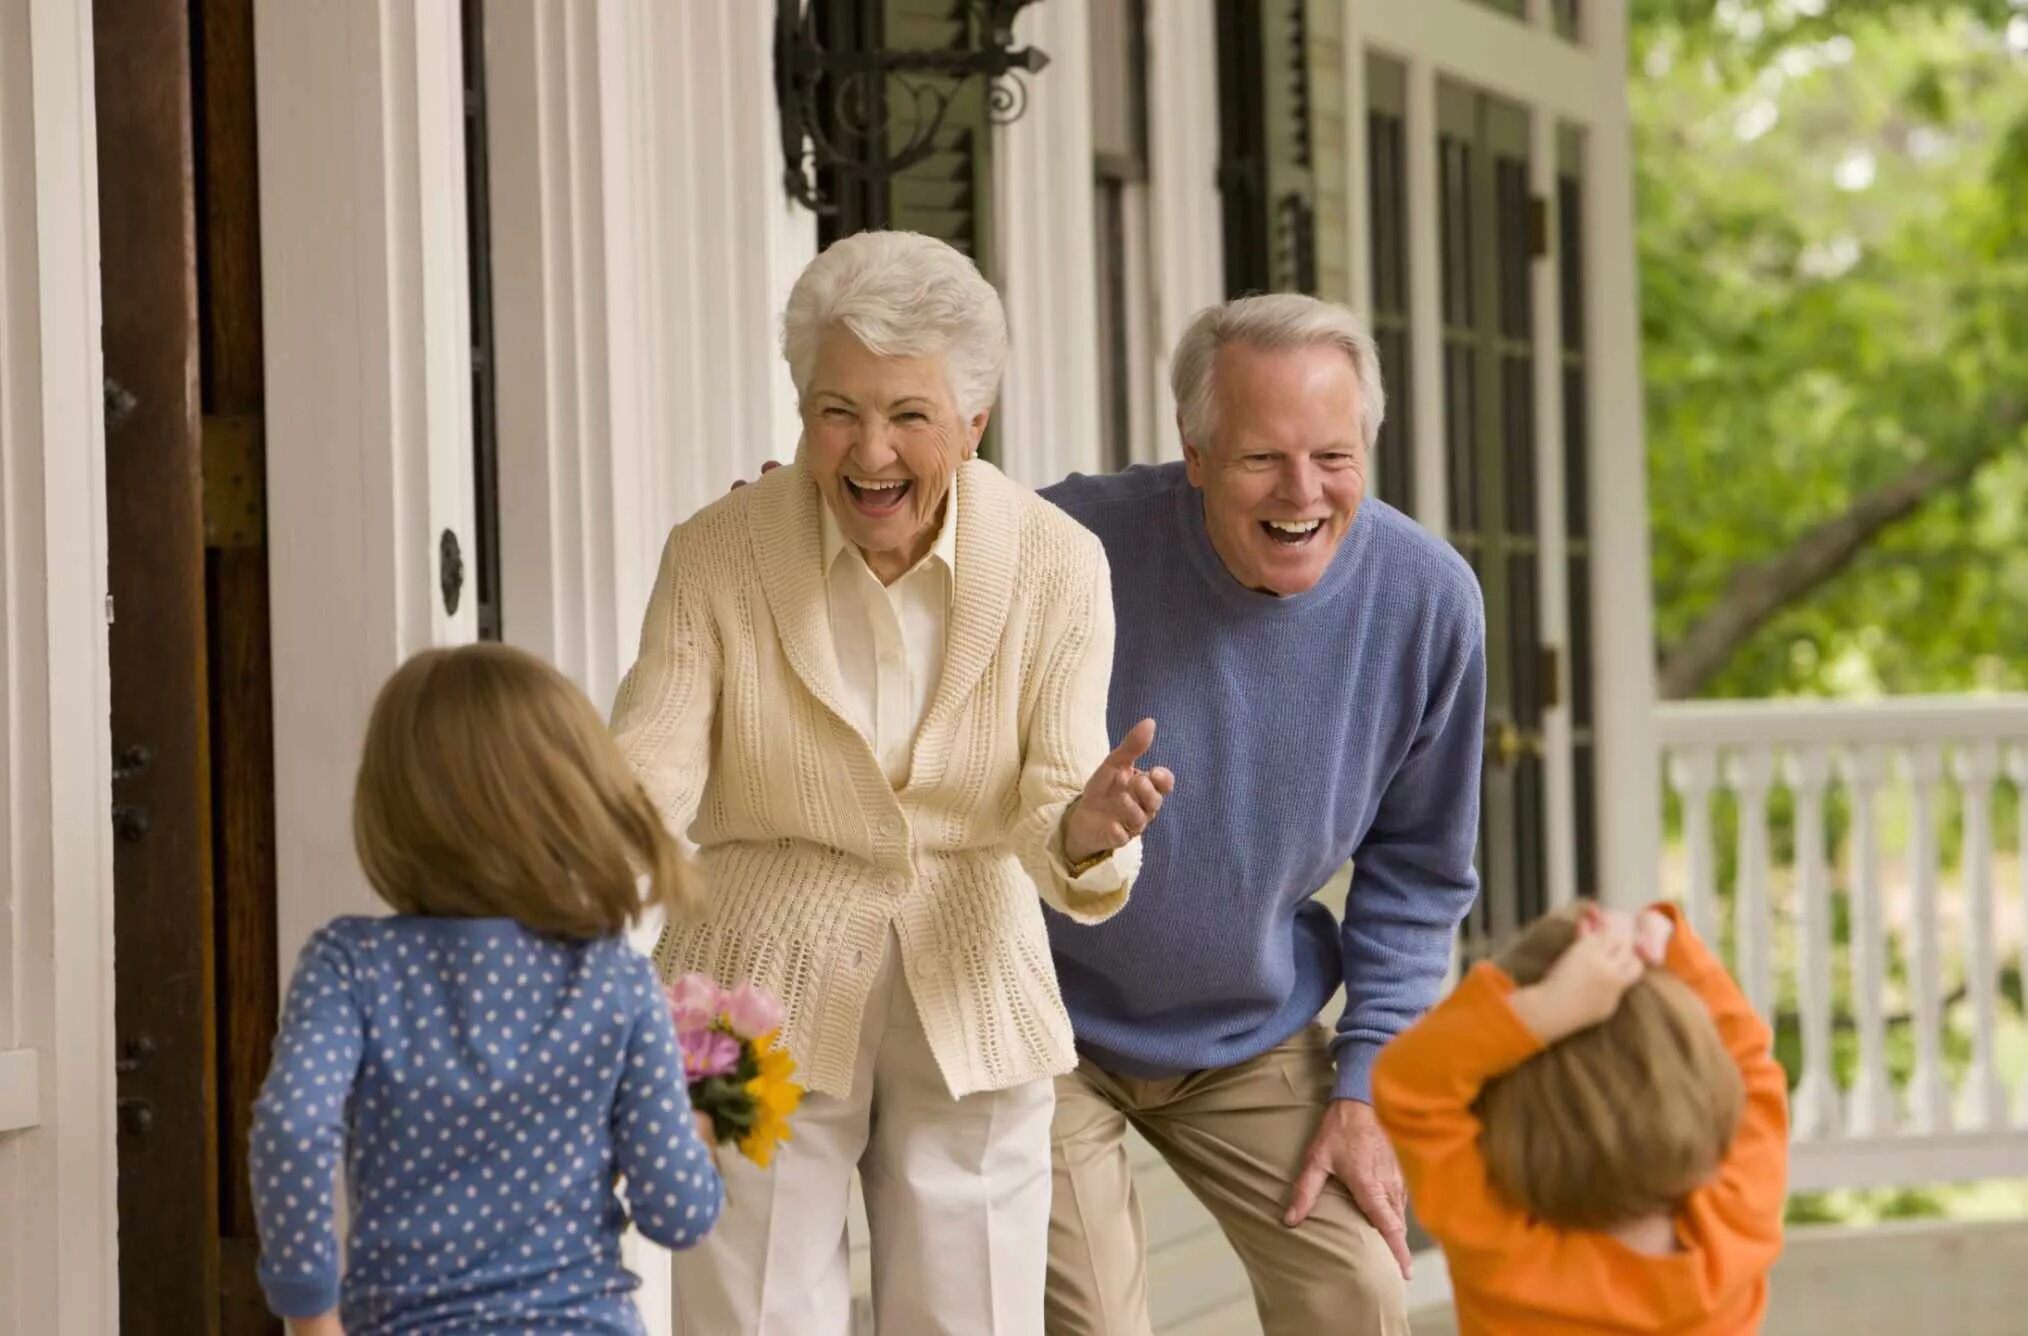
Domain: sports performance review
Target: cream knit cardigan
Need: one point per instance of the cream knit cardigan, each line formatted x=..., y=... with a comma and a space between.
x=733, y=717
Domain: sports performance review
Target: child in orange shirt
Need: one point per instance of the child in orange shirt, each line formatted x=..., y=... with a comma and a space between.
x=1595, y=1129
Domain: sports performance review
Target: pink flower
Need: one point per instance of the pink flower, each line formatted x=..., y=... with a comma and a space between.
x=707, y=1053
x=695, y=1002
x=751, y=1012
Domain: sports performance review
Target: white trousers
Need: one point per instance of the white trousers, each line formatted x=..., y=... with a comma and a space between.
x=957, y=1197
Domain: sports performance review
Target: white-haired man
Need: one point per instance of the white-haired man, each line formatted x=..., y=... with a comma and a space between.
x=1317, y=661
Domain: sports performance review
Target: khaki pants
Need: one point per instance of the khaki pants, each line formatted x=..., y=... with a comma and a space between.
x=1236, y=1136
x=957, y=1196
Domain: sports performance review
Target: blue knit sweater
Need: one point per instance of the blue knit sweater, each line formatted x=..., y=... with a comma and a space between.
x=1339, y=724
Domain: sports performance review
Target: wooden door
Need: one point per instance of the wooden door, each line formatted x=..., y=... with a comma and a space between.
x=236, y=605
x=1490, y=232
x=194, y=928
x=164, y=990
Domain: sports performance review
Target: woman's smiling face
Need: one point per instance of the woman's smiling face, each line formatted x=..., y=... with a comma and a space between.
x=883, y=438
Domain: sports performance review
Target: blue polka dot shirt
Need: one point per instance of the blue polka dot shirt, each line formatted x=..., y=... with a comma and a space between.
x=485, y=1086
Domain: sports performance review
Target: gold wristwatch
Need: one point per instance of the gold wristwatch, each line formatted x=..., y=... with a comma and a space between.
x=1082, y=865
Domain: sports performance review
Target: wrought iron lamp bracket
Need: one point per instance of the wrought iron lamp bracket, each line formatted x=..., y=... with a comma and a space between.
x=870, y=114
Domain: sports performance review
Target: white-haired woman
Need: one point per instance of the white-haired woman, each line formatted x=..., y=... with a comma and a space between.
x=872, y=688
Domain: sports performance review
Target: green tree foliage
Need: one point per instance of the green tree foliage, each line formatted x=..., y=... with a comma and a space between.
x=1834, y=263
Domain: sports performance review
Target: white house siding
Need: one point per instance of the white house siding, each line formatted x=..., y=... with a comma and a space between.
x=643, y=251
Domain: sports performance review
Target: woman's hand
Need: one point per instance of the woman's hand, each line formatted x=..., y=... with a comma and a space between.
x=1119, y=800
x=1585, y=984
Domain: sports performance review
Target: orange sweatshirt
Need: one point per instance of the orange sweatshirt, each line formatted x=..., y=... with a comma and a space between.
x=1512, y=1274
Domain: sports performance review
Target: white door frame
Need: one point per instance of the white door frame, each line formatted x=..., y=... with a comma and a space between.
x=1560, y=82
x=59, y=1258
x=368, y=419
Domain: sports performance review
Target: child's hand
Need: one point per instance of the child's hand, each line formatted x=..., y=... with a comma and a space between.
x=1648, y=931
x=1585, y=984
x=1652, y=931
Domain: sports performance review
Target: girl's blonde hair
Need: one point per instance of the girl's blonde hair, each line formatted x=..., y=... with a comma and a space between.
x=489, y=787
x=1617, y=1122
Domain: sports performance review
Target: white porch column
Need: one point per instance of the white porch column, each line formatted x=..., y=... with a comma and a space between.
x=59, y=1263
x=640, y=268
x=722, y=245
x=1186, y=231
x=363, y=260
x=1043, y=249
x=1629, y=770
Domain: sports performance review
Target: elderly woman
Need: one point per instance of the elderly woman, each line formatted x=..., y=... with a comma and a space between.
x=872, y=689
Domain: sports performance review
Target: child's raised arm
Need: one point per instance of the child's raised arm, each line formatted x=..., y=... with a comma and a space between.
x=298, y=1131
x=1424, y=1085
x=1752, y=1182
x=673, y=1189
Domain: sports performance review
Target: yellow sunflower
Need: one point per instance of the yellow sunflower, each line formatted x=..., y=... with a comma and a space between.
x=775, y=1097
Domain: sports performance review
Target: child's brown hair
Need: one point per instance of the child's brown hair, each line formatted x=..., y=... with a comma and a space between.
x=1616, y=1122
x=489, y=787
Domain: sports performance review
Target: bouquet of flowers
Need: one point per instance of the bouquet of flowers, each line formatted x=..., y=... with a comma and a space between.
x=738, y=1071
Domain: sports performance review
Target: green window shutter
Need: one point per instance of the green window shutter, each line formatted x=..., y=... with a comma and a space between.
x=948, y=195
x=1329, y=138
x=1284, y=135
x=1286, y=97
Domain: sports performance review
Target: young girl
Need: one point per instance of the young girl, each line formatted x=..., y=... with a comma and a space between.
x=1595, y=1130
x=494, y=1054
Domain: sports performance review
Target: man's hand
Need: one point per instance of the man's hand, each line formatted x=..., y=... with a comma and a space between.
x=1119, y=800
x=766, y=469
x=1350, y=1147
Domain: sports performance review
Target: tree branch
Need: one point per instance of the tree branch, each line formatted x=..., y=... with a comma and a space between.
x=1758, y=590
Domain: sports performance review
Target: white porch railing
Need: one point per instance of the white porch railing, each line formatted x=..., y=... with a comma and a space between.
x=1930, y=936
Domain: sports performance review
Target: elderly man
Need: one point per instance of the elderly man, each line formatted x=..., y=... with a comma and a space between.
x=1317, y=661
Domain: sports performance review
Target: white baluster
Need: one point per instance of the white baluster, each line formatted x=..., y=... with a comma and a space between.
x=1977, y=766
x=2017, y=770
x=1816, y=1097
x=1693, y=775
x=1929, y=1097
x=1871, y=1110
x=1750, y=773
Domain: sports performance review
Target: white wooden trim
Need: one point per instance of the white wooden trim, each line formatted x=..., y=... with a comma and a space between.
x=1892, y=1161
x=20, y=1089
x=1551, y=523
x=1696, y=725
x=1526, y=63
x=1044, y=211
x=1622, y=601
x=1186, y=242
x=1425, y=298
x=59, y=1268
x=363, y=252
